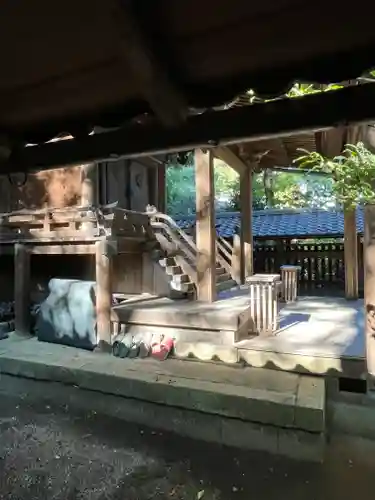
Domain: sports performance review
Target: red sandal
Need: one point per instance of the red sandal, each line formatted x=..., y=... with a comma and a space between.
x=162, y=350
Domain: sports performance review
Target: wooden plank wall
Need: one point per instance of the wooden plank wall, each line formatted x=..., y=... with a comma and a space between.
x=52, y=188
x=132, y=183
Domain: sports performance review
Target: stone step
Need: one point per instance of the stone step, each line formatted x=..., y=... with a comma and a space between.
x=257, y=408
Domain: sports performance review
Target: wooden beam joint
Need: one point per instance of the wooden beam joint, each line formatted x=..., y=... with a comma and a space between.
x=153, y=80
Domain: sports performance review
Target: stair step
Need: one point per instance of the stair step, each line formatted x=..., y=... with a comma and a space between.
x=225, y=285
x=180, y=278
x=173, y=270
x=220, y=270
x=167, y=262
x=223, y=277
x=183, y=287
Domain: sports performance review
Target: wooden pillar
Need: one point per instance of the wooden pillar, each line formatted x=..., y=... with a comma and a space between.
x=369, y=289
x=89, y=193
x=350, y=255
x=161, y=189
x=103, y=294
x=22, y=289
x=205, y=228
x=246, y=202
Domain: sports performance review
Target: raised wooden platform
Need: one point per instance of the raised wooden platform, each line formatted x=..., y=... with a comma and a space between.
x=218, y=324
x=318, y=335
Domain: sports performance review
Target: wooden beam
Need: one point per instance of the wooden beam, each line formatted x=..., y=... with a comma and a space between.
x=249, y=123
x=229, y=157
x=22, y=289
x=151, y=78
x=103, y=295
x=205, y=226
x=369, y=268
x=350, y=255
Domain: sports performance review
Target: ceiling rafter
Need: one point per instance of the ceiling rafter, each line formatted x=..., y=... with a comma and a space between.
x=155, y=85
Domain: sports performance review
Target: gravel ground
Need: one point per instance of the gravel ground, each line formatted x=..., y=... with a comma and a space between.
x=55, y=452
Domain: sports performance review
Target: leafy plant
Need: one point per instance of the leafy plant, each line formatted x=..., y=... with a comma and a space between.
x=353, y=172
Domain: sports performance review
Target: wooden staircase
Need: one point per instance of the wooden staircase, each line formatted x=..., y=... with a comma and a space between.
x=177, y=254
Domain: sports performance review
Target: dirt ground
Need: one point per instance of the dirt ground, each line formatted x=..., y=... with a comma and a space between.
x=55, y=452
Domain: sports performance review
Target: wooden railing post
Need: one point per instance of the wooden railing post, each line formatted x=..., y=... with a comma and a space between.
x=246, y=202
x=205, y=226
x=350, y=255
x=103, y=295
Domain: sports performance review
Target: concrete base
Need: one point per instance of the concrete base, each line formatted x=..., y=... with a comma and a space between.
x=244, y=407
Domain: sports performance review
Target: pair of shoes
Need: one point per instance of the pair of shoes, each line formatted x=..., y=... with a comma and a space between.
x=124, y=346
x=162, y=349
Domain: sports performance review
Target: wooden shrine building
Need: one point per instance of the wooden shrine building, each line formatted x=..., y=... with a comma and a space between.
x=153, y=82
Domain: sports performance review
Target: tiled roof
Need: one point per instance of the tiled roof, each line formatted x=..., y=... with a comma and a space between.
x=282, y=223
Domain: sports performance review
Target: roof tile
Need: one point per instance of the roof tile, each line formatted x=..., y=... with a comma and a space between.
x=282, y=223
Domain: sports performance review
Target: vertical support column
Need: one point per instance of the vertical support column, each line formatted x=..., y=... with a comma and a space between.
x=22, y=289
x=205, y=227
x=89, y=193
x=161, y=189
x=369, y=285
x=350, y=255
x=103, y=294
x=246, y=202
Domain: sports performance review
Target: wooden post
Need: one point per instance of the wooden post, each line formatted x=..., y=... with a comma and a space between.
x=246, y=202
x=369, y=288
x=103, y=295
x=21, y=289
x=89, y=194
x=350, y=255
x=161, y=189
x=205, y=227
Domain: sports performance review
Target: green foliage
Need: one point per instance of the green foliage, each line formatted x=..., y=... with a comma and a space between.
x=285, y=190
x=353, y=173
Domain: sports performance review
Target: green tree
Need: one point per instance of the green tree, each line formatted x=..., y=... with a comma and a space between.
x=353, y=173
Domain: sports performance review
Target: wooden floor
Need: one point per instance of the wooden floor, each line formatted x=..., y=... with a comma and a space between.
x=320, y=335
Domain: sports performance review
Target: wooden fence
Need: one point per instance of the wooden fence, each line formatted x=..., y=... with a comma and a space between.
x=322, y=265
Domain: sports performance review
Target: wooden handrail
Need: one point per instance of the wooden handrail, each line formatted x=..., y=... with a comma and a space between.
x=190, y=241
x=180, y=245
x=175, y=226
x=225, y=243
x=223, y=250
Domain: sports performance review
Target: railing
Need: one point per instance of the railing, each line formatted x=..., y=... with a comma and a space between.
x=180, y=244
x=321, y=264
x=77, y=223
x=224, y=251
